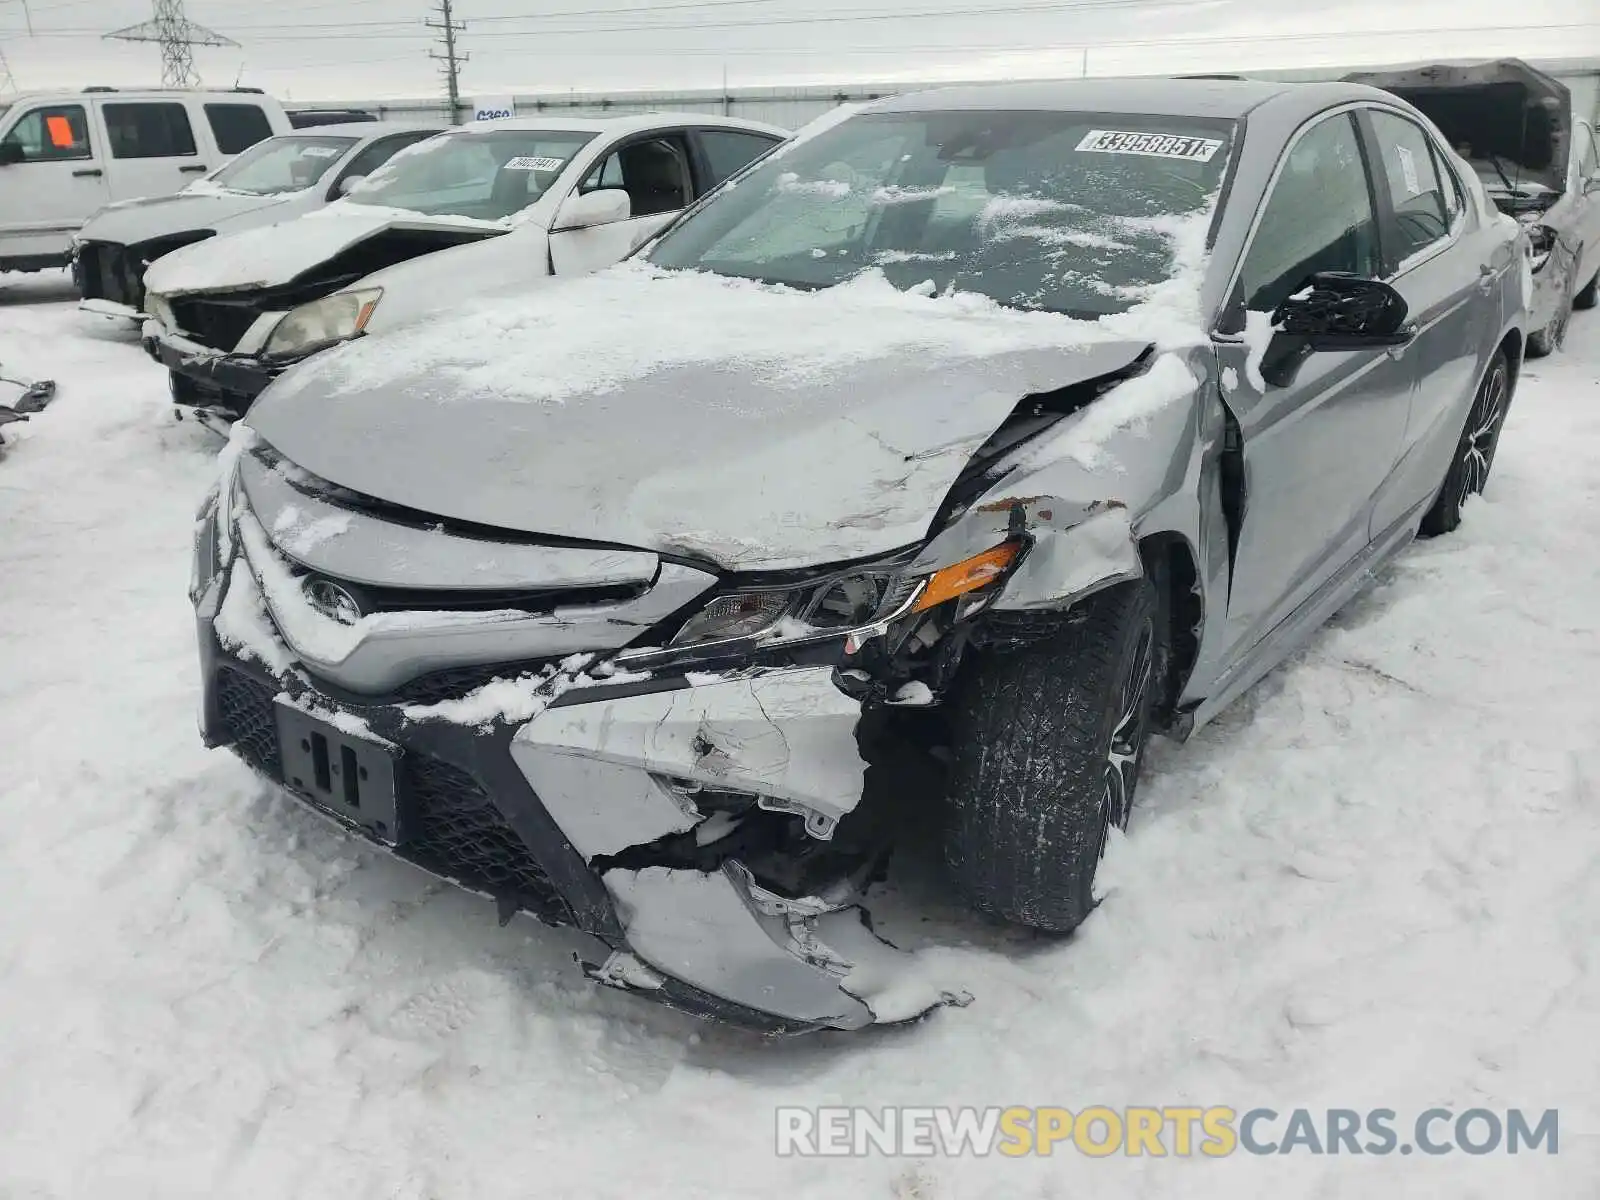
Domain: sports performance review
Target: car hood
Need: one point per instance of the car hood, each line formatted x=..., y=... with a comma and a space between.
x=130, y=222
x=1505, y=109
x=753, y=427
x=274, y=255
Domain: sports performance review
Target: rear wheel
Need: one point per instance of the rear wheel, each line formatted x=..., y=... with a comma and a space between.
x=1049, y=739
x=1474, y=455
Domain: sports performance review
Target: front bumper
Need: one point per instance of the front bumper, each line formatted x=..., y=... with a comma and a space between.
x=584, y=813
x=203, y=378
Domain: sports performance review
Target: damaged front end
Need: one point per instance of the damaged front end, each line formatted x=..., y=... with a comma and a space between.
x=694, y=767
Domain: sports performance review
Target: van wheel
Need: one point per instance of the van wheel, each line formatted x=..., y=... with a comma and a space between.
x=1474, y=455
x=1048, y=742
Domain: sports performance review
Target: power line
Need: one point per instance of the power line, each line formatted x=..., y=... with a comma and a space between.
x=177, y=36
x=448, y=27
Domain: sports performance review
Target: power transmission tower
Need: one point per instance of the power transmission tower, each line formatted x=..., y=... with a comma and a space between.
x=448, y=27
x=7, y=79
x=178, y=36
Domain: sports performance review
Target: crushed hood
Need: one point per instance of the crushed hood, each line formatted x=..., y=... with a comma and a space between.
x=130, y=222
x=755, y=427
x=274, y=255
x=1504, y=109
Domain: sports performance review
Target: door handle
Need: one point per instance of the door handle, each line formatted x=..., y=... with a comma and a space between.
x=1486, y=278
x=88, y=173
x=197, y=167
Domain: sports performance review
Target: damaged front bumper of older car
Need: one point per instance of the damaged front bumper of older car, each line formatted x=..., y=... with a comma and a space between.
x=693, y=808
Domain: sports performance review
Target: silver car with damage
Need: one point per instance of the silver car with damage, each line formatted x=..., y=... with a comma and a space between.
x=972, y=440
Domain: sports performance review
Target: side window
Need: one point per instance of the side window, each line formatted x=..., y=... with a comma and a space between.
x=374, y=156
x=1319, y=217
x=1454, y=199
x=1414, y=186
x=149, y=130
x=729, y=152
x=55, y=134
x=237, y=126
x=654, y=173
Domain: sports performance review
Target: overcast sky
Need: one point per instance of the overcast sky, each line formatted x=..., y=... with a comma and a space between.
x=371, y=49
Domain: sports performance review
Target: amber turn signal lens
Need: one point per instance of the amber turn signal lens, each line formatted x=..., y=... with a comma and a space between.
x=978, y=571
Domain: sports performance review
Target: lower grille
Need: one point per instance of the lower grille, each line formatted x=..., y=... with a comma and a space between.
x=249, y=720
x=213, y=323
x=456, y=831
x=456, y=682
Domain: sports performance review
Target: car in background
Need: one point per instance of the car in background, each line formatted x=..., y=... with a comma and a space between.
x=571, y=194
x=1538, y=162
x=275, y=180
x=915, y=477
x=65, y=155
x=309, y=118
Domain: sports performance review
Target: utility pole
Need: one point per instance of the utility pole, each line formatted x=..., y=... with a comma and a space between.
x=449, y=27
x=178, y=36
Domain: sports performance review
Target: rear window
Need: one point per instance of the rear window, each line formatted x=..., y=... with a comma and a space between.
x=157, y=130
x=237, y=126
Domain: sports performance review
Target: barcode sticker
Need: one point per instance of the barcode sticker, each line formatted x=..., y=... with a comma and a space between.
x=533, y=164
x=1151, y=145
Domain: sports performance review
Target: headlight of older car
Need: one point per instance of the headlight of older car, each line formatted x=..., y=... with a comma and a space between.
x=334, y=318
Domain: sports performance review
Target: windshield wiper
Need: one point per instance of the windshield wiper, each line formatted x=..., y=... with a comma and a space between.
x=1511, y=188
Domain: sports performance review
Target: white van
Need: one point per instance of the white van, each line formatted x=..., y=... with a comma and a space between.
x=65, y=155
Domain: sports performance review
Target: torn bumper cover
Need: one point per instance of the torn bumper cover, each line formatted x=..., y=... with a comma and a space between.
x=640, y=810
x=205, y=378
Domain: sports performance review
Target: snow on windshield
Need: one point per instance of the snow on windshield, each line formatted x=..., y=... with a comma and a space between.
x=282, y=164
x=486, y=175
x=1061, y=212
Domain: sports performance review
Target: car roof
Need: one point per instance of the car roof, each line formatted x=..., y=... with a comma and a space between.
x=632, y=123
x=367, y=129
x=1224, y=98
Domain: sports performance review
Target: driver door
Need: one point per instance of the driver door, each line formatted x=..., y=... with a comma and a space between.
x=655, y=173
x=1310, y=449
x=56, y=184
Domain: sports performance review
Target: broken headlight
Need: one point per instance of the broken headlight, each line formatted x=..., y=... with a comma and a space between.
x=334, y=318
x=736, y=615
x=1543, y=240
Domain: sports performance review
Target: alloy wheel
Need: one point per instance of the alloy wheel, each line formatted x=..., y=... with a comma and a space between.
x=1128, y=735
x=1483, y=435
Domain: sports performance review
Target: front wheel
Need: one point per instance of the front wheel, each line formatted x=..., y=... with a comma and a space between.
x=1048, y=742
x=1590, y=295
x=1474, y=455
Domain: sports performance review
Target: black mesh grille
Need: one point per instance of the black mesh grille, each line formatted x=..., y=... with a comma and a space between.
x=249, y=720
x=456, y=682
x=214, y=324
x=456, y=831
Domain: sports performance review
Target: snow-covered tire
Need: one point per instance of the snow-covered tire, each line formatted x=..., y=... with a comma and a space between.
x=1590, y=295
x=1474, y=452
x=1048, y=740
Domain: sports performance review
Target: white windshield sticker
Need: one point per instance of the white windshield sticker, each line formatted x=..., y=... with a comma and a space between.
x=1152, y=145
x=533, y=164
x=321, y=152
x=1408, y=168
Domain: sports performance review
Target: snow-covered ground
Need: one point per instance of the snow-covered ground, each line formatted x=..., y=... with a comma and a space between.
x=1374, y=883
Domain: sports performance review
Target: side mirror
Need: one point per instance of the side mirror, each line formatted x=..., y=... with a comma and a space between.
x=1334, y=311
x=349, y=184
x=584, y=211
x=12, y=153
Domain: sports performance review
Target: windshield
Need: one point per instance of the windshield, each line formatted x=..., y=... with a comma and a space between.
x=1062, y=212
x=488, y=175
x=281, y=164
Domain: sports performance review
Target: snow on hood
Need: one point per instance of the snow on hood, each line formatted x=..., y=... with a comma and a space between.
x=132, y=221
x=277, y=254
x=761, y=428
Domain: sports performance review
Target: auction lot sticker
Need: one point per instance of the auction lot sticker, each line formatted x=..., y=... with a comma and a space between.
x=1151, y=145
